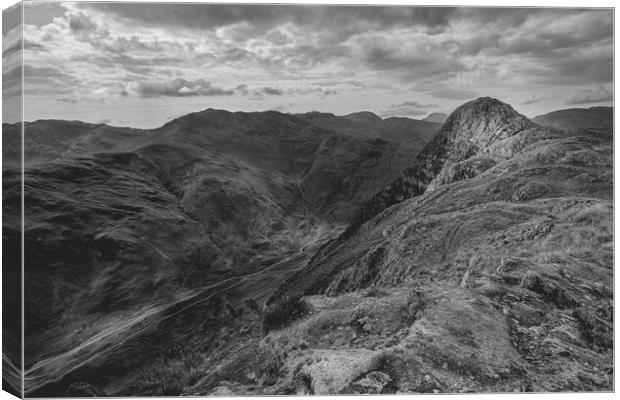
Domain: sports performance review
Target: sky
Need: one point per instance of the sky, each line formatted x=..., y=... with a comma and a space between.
x=141, y=65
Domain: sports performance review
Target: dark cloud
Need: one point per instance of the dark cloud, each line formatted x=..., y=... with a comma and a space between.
x=455, y=94
x=598, y=95
x=235, y=54
x=271, y=91
x=347, y=20
x=175, y=88
x=243, y=90
x=585, y=29
x=570, y=70
x=80, y=23
x=423, y=62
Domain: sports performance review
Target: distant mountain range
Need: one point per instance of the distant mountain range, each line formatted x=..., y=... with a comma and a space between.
x=594, y=120
x=270, y=253
x=436, y=117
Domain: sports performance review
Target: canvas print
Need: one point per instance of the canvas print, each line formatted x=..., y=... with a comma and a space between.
x=246, y=199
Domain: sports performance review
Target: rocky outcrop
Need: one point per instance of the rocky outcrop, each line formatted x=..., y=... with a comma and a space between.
x=454, y=172
x=484, y=128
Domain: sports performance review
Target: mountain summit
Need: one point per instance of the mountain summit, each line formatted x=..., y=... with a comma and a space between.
x=474, y=137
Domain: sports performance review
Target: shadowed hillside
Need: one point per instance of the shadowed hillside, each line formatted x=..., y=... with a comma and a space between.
x=126, y=227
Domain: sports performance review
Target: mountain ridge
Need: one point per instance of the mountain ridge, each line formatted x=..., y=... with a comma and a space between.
x=506, y=249
x=187, y=230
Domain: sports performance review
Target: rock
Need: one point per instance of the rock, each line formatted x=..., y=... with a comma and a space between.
x=596, y=331
x=454, y=172
x=526, y=315
x=549, y=290
x=374, y=382
x=365, y=324
x=222, y=390
x=465, y=279
x=360, y=275
x=301, y=384
x=83, y=389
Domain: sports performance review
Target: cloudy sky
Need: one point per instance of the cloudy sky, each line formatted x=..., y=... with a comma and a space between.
x=142, y=65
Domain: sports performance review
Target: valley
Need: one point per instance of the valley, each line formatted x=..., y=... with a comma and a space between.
x=268, y=253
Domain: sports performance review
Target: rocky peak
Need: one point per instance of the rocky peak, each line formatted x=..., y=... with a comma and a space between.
x=486, y=128
x=481, y=122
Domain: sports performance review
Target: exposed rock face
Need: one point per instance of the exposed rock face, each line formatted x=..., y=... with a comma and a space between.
x=484, y=127
x=374, y=382
x=453, y=172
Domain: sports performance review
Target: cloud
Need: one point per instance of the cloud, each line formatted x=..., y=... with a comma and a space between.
x=277, y=54
x=328, y=92
x=415, y=104
x=175, y=88
x=271, y=91
x=341, y=21
x=243, y=90
x=455, y=94
x=533, y=100
x=600, y=94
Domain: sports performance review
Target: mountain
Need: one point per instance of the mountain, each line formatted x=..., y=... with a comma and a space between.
x=39, y=145
x=486, y=267
x=593, y=120
x=125, y=227
x=369, y=125
x=436, y=117
x=268, y=253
